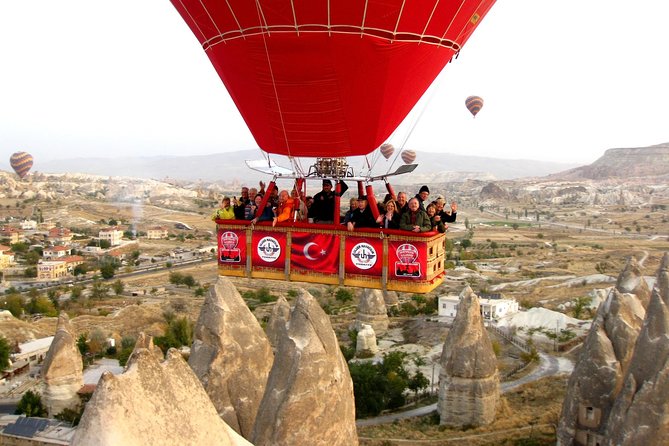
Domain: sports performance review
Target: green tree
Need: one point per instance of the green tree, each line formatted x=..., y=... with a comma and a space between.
x=19, y=248
x=343, y=295
x=118, y=287
x=176, y=278
x=107, y=271
x=4, y=353
x=99, y=290
x=42, y=305
x=31, y=405
x=418, y=382
x=465, y=243
x=12, y=303
x=82, y=344
x=32, y=257
x=189, y=281
x=31, y=272
x=80, y=269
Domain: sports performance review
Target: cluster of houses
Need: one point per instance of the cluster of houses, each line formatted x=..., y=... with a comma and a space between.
x=57, y=260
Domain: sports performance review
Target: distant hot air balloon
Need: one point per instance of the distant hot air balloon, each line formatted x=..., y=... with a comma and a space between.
x=387, y=150
x=408, y=156
x=21, y=162
x=474, y=104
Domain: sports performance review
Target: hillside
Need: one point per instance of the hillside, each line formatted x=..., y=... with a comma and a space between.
x=228, y=167
x=652, y=161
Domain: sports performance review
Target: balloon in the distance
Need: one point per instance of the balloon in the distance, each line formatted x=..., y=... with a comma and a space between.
x=387, y=150
x=474, y=104
x=21, y=162
x=408, y=156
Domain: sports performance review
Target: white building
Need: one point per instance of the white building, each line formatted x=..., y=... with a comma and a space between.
x=112, y=235
x=29, y=225
x=156, y=232
x=33, y=350
x=56, y=252
x=492, y=308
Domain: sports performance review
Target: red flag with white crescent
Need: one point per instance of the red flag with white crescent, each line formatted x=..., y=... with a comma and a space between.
x=315, y=252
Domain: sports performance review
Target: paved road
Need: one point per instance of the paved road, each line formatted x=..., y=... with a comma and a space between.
x=7, y=406
x=548, y=366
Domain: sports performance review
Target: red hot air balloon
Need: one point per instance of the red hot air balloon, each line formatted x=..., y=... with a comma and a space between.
x=323, y=78
x=387, y=150
x=408, y=156
x=474, y=104
x=21, y=162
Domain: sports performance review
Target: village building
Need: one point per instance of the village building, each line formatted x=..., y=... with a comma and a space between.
x=493, y=307
x=113, y=235
x=59, y=236
x=56, y=252
x=51, y=269
x=29, y=225
x=33, y=350
x=6, y=257
x=156, y=232
x=13, y=235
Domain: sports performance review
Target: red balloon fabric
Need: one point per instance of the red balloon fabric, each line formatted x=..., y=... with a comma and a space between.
x=328, y=78
x=21, y=162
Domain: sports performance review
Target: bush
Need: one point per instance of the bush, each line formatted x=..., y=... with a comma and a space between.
x=343, y=295
x=31, y=405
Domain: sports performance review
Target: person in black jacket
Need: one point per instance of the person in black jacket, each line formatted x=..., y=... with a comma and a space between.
x=362, y=217
x=322, y=209
x=447, y=215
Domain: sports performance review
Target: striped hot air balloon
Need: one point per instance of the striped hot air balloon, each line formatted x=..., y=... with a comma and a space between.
x=408, y=156
x=474, y=104
x=21, y=162
x=387, y=150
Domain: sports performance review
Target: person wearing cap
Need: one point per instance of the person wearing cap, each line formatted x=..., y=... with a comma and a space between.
x=422, y=196
x=322, y=210
x=362, y=217
x=225, y=212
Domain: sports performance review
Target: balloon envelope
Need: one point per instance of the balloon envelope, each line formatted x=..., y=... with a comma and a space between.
x=21, y=162
x=328, y=78
x=408, y=156
x=474, y=104
x=387, y=150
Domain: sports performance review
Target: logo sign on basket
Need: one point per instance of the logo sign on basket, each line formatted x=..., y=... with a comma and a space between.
x=229, y=253
x=407, y=265
x=363, y=256
x=269, y=249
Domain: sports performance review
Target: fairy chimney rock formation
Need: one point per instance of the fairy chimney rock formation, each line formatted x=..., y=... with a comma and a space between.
x=309, y=394
x=366, y=341
x=468, y=380
x=145, y=341
x=631, y=281
x=391, y=298
x=640, y=414
x=231, y=356
x=153, y=402
x=62, y=369
x=278, y=321
x=372, y=311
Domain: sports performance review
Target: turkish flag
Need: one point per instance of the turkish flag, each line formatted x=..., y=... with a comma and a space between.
x=315, y=252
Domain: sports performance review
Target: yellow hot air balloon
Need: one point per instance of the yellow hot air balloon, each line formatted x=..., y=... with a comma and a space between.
x=474, y=104
x=408, y=156
x=21, y=162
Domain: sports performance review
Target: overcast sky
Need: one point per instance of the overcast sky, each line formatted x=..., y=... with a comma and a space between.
x=562, y=80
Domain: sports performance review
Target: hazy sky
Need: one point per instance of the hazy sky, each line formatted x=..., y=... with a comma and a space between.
x=563, y=80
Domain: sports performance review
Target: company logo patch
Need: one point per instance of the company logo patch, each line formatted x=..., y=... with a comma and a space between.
x=363, y=256
x=269, y=249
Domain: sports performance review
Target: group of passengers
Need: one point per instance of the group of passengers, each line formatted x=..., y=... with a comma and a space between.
x=416, y=215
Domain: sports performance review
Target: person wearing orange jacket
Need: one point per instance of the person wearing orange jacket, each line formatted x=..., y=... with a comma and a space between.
x=284, y=211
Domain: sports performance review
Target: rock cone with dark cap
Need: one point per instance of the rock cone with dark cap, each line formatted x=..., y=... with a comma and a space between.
x=231, y=356
x=309, y=395
x=153, y=403
x=372, y=311
x=62, y=369
x=468, y=381
x=640, y=414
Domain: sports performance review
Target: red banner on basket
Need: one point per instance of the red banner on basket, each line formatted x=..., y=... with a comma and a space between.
x=314, y=252
x=407, y=260
x=268, y=249
x=231, y=247
x=364, y=256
